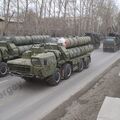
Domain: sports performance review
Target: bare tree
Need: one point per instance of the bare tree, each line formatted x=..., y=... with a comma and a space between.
x=61, y=17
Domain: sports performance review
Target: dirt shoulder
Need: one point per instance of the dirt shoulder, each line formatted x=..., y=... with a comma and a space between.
x=85, y=104
x=88, y=105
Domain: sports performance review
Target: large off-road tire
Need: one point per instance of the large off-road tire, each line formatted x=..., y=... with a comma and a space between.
x=66, y=71
x=80, y=66
x=54, y=79
x=3, y=69
x=87, y=63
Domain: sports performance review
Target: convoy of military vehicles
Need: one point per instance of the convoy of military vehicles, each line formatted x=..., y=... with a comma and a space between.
x=50, y=59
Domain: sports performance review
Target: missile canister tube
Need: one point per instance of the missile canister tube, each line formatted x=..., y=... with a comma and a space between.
x=21, y=40
x=22, y=49
x=26, y=40
x=74, y=42
x=79, y=51
x=40, y=39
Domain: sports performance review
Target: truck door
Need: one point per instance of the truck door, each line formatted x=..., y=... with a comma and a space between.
x=49, y=66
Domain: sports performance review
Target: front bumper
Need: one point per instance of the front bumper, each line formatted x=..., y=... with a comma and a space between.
x=21, y=74
x=108, y=49
x=13, y=73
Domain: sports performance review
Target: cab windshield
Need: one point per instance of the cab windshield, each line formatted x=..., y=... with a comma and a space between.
x=35, y=61
x=109, y=40
x=41, y=61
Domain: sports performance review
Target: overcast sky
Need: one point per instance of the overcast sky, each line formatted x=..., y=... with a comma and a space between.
x=118, y=2
x=1, y=10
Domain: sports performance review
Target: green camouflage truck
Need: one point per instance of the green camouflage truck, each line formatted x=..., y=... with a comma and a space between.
x=53, y=62
x=111, y=43
x=14, y=47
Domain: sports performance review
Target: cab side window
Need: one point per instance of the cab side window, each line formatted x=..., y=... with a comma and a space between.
x=45, y=62
x=50, y=60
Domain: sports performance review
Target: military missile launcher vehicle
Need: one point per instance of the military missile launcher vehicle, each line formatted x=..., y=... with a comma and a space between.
x=53, y=61
x=14, y=47
x=9, y=51
x=95, y=39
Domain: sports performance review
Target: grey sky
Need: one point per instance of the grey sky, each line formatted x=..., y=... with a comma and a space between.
x=1, y=10
x=118, y=2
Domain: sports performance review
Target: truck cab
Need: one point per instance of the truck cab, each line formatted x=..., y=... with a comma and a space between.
x=8, y=50
x=44, y=64
x=110, y=44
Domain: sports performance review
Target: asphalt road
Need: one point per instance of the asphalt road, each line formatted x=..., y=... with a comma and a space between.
x=26, y=101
